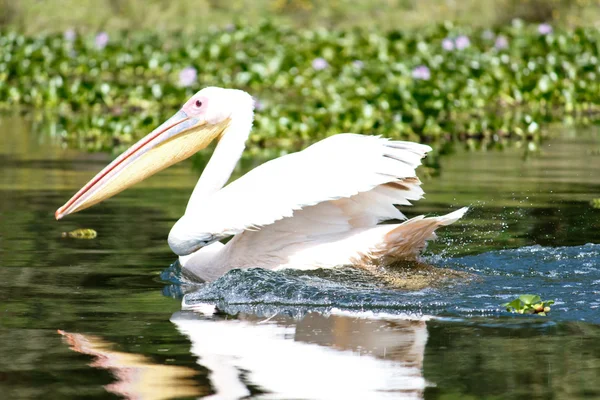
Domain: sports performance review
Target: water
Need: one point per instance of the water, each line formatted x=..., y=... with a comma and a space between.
x=103, y=318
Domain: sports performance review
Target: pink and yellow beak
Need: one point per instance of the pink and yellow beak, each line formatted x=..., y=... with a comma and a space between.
x=173, y=141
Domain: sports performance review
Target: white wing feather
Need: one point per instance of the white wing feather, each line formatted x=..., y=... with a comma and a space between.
x=338, y=167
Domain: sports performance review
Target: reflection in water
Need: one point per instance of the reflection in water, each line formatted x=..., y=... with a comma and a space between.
x=136, y=376
x=110, y=286
x=318, y=357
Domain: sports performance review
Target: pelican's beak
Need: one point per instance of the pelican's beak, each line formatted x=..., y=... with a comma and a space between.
x=175, y=140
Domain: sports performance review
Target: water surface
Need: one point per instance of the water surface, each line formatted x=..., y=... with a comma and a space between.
x=103, y=318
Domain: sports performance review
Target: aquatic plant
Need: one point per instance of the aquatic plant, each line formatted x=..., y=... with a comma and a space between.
x=529, y=304
x=188, y=76
x=595, y=203
x=501, y=42
x=104, y=92
x=462, y=42
x=422, y=72
x=69, y=34
x=82, y=233
x=545, y=29
x=319, y=64
x=448, y=44
x=101, y=40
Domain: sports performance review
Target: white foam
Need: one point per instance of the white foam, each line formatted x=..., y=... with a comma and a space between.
x=206, y=309
x=377, y=315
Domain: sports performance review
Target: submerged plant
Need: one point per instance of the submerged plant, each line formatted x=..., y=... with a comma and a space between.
x=529, y=304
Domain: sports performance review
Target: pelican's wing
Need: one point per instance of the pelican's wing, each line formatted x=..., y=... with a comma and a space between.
x=338, y=167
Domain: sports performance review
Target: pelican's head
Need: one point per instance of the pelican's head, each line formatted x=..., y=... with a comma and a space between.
x=202, y=119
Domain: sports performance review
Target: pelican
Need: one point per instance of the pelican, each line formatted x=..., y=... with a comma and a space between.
x=317, y=208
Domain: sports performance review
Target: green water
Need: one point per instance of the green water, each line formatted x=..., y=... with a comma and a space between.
x=290, y=335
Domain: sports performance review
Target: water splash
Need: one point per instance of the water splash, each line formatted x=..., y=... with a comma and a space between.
x=569, y=275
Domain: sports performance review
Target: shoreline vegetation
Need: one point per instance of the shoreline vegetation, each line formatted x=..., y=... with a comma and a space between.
x=90, y=16
x=102, y=90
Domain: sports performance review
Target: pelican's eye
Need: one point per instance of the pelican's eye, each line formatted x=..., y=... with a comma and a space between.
x=198, y=104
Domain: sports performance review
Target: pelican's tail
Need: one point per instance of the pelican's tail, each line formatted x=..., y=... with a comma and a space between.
x=405, y=241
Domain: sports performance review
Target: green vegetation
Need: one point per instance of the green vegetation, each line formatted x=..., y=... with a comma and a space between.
x=529, y=304
x=433, y=85
x=34, y=16
x=82, y=233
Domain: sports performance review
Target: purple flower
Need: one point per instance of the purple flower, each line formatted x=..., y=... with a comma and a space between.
x=544, y=29
x=421, y=72
x=101, y=40
x=487, y=35
x=501, y=42
x=70, y=35
x=447, y=44
x=358, y=64
x=462, y=42
x=319, y=64
x=258, y=105
x=188, y=76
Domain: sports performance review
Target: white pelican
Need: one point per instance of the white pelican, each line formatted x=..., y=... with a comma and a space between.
x=318, y=208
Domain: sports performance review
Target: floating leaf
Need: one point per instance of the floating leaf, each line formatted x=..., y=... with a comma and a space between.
x=528, y=299
x=80, y=234
x=529, y=304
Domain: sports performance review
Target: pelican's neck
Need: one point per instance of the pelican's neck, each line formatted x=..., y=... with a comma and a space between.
x=224, y=159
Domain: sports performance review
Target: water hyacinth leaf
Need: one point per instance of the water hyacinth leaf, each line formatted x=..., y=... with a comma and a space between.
x=529, y=304
x=528, y=299
x=516, y=304
x=444, y=83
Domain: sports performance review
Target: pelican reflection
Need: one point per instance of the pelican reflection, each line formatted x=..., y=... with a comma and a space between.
x=318, y=357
